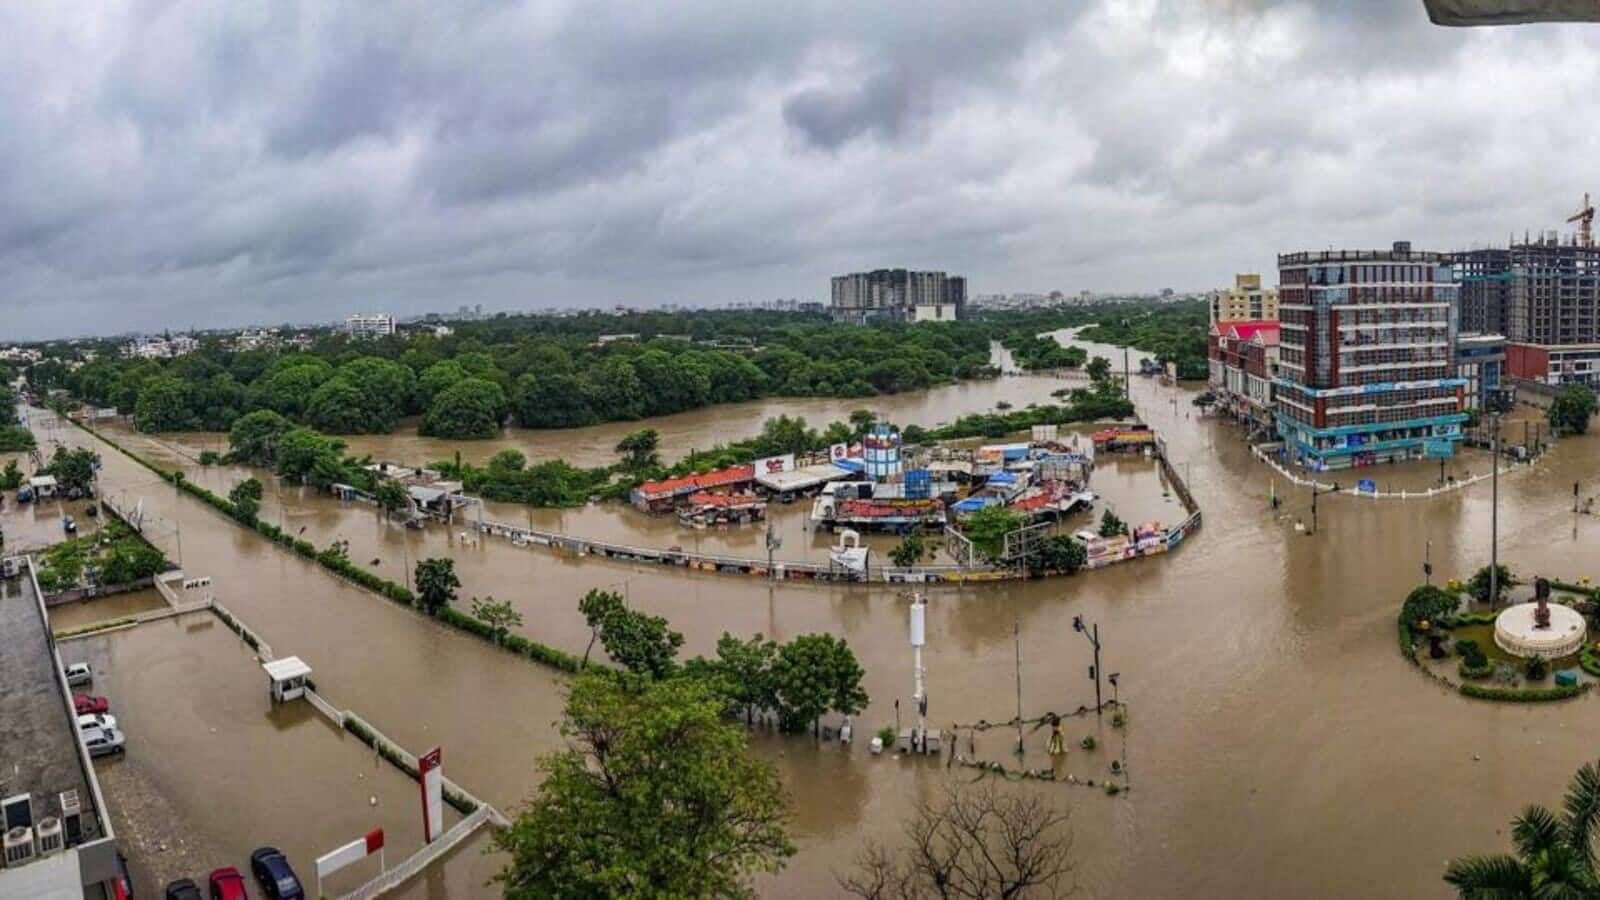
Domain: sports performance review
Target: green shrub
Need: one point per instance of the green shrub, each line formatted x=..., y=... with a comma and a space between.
x=1468, y=648
x=1479, y=668
x=1522, y=695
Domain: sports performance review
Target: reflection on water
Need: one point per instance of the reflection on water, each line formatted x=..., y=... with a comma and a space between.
x=1266, y=694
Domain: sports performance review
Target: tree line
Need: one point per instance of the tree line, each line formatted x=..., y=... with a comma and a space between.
x=537, y=372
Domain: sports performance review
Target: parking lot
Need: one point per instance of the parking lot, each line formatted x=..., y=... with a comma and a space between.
x=208, y=755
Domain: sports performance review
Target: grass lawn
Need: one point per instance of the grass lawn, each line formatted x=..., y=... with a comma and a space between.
x=1484, y=635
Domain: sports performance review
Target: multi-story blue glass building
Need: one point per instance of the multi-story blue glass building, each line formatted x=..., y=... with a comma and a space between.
x=1366, y=358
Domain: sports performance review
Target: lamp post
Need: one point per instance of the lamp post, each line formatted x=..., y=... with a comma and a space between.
x=1494, y=515
x=1092, y=634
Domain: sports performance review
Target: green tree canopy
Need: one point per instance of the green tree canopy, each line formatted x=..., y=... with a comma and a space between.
x=1571, y=409
x=987, y=529
x=638, y=449
x=814, y=674
x=165, y=405
x=471, y=408
x=254, y=437
x=436, y=583
x=656, y=795
x=551, y=400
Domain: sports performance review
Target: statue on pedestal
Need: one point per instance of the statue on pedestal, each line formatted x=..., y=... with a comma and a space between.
x=1541, y=593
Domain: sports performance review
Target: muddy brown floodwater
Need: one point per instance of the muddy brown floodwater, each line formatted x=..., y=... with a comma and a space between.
x=1278, y=743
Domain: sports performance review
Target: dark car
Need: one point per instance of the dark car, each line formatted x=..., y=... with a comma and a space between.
x=227, y=884
x=272, y=870
x=87, y=705
x=183, y=889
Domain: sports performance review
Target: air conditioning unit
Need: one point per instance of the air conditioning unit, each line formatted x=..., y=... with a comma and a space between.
x=51, y=840
x=70, y=817
x=18, y=845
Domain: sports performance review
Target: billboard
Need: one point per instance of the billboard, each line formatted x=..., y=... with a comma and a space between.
x=839, y=451
x=772, y=465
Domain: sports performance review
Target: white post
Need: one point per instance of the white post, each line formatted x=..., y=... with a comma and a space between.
x=919, y=610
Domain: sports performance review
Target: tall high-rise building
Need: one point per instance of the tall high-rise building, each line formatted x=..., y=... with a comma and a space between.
x=1366, y=359
x=1544, y=296
x=1246, y=301
x=898, y=295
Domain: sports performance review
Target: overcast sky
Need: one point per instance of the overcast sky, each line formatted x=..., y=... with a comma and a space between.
x=168, y=165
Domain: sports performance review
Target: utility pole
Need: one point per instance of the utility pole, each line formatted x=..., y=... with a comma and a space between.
x=1092, y=633
x=1494, y=518
x=773, y=543
x=1127, y=384
x=1016, y=635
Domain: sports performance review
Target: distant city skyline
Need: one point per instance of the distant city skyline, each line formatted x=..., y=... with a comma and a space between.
x=216, y=167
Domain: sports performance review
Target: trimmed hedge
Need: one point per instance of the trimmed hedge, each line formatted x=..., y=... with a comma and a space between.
x=398, y=758
x=1589, y=661
x=1523, y=695
x=1470, y=671
x=96, y=626
x=531, y=650
x=1464, y=619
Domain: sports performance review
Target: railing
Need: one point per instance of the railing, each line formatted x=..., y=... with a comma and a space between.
x=1402, y=494
x=414, y=864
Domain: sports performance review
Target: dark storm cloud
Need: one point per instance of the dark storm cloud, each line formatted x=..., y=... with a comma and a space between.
x=174, y=164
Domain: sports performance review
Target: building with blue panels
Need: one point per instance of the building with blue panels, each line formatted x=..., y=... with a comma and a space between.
x=1481, y=362
x=880, y=451
x=1366, y=364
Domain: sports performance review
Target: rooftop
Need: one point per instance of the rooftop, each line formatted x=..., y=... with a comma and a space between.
x=39, y=746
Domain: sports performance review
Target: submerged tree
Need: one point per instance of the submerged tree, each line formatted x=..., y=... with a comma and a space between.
x=656, y=795
x=436, y=583
x=975, y=842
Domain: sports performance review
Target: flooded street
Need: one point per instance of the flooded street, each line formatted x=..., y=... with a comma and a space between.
x=1273, y=723
x=233, y=769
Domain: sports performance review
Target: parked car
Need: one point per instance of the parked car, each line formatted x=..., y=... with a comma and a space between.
x=272, y=870
x=79, y=674
x=124, y=888
x=103, y=741
x=87, y=704
x=68, y=525
x=227, y=884
x=183, y=889
x=97, y=720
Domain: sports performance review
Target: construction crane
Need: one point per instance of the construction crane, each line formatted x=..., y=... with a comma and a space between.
x=1585, y=219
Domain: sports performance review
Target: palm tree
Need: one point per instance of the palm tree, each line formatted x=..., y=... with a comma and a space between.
x=1555, y=857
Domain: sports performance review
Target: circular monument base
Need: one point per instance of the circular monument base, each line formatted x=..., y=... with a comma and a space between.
x=1514, y=631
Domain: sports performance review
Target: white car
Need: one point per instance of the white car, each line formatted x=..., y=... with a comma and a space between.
x=79, y=674
x=103, y=741
x=97, y=720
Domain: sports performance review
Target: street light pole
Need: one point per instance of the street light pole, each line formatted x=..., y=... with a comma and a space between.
x=1494, y=518
x=1092, y=633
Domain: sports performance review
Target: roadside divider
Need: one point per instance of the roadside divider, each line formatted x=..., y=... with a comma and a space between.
x=341, y=566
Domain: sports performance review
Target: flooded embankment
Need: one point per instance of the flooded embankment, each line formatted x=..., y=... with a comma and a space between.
x=1259, y=663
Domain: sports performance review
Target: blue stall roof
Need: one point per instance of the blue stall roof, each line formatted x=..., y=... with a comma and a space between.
x=1003, y=478
x=973, y=504
x=851, y=465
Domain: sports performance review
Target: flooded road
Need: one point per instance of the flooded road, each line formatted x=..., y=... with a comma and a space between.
x=1266, y=693
x=236, y=771
x=67, y=616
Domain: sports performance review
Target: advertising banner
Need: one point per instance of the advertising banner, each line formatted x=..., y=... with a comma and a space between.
x=772, y=465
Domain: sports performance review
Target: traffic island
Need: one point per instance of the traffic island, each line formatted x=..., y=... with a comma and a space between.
x=1529, y=652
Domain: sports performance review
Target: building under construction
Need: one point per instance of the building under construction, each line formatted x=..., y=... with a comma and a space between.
x=1544, y=296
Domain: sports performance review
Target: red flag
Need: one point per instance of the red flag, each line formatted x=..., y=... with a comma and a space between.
x=374, y=839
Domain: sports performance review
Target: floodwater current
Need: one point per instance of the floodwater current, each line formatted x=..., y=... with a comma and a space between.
x=1278, y=744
